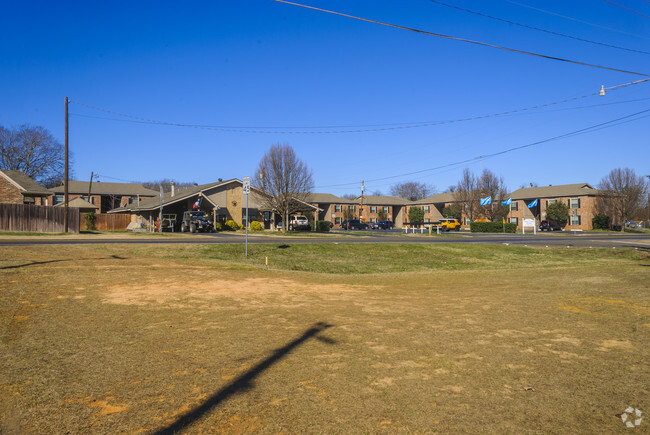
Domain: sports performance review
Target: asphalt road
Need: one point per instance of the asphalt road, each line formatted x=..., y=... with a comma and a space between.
x=595, y=240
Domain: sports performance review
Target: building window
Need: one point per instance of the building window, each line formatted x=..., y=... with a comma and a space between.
x=550, y=201
x=427, y=209
x=514, y=220
x=373, y=220
x=468, y=221
x=337, y=208
x=337, y=221
x=58, y=199
x=386, y=209
x=514, y=206
x=427, y=220
x=352, y=207
x=373, y=209
x=575, y=220
x=574, y=203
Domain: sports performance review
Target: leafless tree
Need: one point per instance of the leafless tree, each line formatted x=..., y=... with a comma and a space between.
x=284, y=180
x=166, y=184
x=622, y=195
x=467, y=194
x=32, y=151
x=410, y=190
x=491, y=185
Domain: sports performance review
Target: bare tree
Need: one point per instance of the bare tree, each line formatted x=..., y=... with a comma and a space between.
x=467, y=194
x=491, y=185
x=410, y=190
x=622, y=194
x=284, y=180
x=166, y=184
x=32, y=151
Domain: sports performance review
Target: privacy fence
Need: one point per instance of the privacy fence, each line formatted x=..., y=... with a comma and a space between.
x=112, y=222
x=37, y=218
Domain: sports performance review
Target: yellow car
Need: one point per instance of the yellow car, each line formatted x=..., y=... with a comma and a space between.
x=449, y=224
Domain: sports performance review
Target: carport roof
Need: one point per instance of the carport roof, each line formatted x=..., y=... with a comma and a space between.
x=179, y=195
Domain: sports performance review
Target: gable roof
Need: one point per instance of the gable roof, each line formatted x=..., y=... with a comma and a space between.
x=580, y=189
x=104, y=188
x=437, y=198
x=382, y=200
x=179, y=195
x=78, y=203
x=24, y=183
x=325, y=198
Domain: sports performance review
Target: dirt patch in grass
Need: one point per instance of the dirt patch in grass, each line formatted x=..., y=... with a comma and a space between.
x=140, y=339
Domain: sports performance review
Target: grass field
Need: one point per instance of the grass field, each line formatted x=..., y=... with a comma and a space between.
x=330, y=338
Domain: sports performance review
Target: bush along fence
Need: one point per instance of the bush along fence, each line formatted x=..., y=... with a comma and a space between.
x=492, y=227
x=37, y=218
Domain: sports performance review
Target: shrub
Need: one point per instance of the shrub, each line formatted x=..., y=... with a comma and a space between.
x=323, y=226
x=600, y=222
x=218, y=226
x=256, y=226
x=232, y=225
x=89, y=218
x=492, y=227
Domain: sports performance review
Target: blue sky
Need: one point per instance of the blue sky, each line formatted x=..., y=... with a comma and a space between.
x=259, y=72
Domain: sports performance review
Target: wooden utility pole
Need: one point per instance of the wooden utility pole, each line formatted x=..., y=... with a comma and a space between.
x=90, y=185
x=65, y=176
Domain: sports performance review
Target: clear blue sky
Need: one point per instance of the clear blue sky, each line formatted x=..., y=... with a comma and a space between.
x=275, y=71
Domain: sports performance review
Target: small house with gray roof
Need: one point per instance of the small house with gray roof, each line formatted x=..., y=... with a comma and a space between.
x=105, y=196
x=18, y=188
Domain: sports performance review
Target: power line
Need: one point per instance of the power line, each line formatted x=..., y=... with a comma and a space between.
x=627, y=9
x=537, y=28
x=599, y=126
x=352, y=129
x=575, y=19
x=424, y=32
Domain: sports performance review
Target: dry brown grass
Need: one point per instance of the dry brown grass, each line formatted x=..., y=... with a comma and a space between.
x=130, y=339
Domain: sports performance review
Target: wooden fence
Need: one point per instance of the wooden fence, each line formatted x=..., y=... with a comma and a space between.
x=112, y=222
x=37, y=218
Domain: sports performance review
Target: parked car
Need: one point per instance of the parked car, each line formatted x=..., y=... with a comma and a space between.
x=194, y=221
x=353, y=224
x=449, y=224
x=382, y=225
x=550, y=226
x=298, y=223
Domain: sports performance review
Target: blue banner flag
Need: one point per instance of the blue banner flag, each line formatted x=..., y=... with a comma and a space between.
x=507, y=201
x=533, y=204
x=486, y=201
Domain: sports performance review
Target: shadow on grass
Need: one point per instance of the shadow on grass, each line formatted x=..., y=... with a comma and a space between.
x=243, y=382
x=36, y=263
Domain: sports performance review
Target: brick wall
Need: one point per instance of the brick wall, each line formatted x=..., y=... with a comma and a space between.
x=9, y=193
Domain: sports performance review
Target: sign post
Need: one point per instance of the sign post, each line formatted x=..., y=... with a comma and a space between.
x=246, y=189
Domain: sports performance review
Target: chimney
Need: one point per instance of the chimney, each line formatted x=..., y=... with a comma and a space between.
x=173, y=188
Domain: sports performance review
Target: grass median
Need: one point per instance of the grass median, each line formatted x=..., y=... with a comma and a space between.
x=331, y=338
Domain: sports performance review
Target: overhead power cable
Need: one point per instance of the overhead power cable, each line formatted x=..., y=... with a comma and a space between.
x=463, y=39
x=627, y=9
x=595, y=127
x=537, y=28
x=575, y=19
x=349, y=129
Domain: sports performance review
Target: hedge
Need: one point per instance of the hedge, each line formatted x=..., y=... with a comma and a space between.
x=323, y=226
x=492, y=227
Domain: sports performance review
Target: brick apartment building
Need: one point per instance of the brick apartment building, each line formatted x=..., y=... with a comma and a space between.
x=18, y=188
x=105, y=196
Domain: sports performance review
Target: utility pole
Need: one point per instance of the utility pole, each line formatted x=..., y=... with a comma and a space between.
x=90, y=185
x=65, y=176
x=361, y=208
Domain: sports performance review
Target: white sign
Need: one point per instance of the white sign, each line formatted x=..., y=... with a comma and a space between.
x=529, y=222
x=246, y=189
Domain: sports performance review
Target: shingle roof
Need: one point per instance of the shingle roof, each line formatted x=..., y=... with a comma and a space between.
x=325, y=198
x=383, y=200
x=78, y=203
x=581, y=189
x=438, y=198
x=179, y=195
x=104, y=188
x=25, y=184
